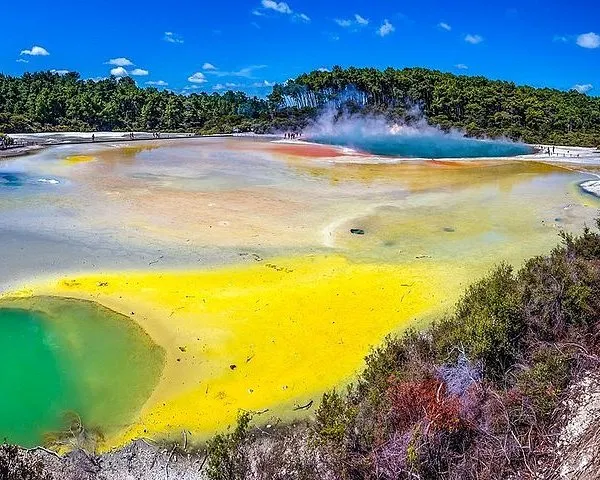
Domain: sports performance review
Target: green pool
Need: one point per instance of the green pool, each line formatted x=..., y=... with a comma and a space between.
x=60, y=356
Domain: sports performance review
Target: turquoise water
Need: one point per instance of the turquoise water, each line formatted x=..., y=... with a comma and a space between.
x=424, y=146
x=59, y=356
x=10, y=181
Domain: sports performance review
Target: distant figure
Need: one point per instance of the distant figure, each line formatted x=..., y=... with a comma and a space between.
x=549, y=154
x=93, y=137
x=552, y=149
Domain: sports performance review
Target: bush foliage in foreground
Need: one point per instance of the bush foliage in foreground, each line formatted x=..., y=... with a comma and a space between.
x=475, y=396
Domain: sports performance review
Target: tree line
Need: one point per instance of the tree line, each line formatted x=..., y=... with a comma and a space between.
x=47, y=101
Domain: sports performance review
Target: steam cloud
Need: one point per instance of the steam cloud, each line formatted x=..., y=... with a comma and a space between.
x=414, y=138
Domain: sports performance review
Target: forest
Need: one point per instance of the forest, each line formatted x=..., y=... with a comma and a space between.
x=47, y=101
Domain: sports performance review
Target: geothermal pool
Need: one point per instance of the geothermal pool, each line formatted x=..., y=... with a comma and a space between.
x=375, y=136
x=158, y=287
x=419, y=146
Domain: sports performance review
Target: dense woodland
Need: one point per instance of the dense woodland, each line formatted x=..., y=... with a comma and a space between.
x=48, y=101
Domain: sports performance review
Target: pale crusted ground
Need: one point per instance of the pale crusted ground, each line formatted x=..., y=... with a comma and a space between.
x=158, y=222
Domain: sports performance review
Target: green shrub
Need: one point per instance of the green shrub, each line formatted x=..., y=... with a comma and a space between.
x=544, y=380
x=334, y=418
x=227, y=456
x=487, y=326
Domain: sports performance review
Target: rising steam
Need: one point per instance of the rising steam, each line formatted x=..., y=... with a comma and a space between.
x=413, y=138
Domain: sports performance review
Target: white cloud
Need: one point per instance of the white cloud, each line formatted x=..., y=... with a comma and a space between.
x=172, y=37
x=263, y=84
x=560, y=38
x=157, y=83
x=385, y=29
x=120, y=62
x=118, y=72
x=361, y=20
x=197, y=77
x=280, y=7
x=139, y=72
x=343, y=23
x=323, y=69
x=583, y=88
x=444, y=26
x=246, y=72
x=238, y=86
x=461, y=66
x=357, y=21
x=588, y=40
x=22, y=60
x=59, y=72
x=473, y=39
x=228, y=85
x=208, y=66
x=36, y=51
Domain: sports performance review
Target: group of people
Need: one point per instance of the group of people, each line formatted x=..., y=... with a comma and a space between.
x=551, y=150
x=292, y=135
x=131, y=136
x=5, y=142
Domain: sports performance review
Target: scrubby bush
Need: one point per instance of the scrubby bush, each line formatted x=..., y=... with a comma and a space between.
x=488, y=324
x=227, y=454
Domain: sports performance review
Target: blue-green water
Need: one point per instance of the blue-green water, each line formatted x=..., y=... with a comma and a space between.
x=62, y=355
x=423, y=146
x=10, y=181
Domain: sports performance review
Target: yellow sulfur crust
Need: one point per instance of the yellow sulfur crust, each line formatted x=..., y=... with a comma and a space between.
x=266, y=335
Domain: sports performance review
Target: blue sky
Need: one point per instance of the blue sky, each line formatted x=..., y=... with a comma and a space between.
x=193, y=45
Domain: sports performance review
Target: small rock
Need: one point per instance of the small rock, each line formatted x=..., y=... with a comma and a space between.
x=233, y=366
x=357, y=231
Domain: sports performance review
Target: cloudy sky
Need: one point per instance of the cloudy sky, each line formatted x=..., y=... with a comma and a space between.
x=195, y=45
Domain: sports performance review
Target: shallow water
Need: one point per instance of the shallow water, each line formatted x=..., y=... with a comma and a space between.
x=241, y=252
x=60, y=356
